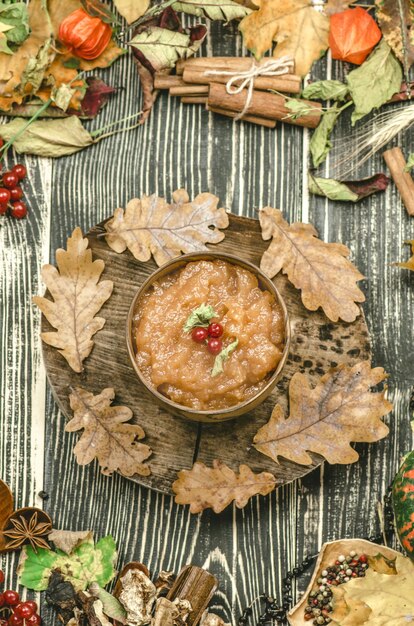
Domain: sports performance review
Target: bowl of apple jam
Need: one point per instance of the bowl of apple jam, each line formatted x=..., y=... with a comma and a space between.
x=208, y=335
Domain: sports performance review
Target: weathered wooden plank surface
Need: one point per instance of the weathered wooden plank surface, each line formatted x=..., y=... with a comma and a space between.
x=247, y=168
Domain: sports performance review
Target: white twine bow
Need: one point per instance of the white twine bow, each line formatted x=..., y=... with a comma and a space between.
x=273, y=67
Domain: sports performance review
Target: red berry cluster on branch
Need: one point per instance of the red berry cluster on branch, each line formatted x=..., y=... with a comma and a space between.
x=14, y=612
x=211, y=335
x=11, y=193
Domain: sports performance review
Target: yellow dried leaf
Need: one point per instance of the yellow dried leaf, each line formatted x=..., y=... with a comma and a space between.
x=152, y=226
x=409, y=265
x=202, y=487
x=77, y=297
x=106, y=437
x=301, y=32
x=322, y=271
x=388, y=598
x=324, y=420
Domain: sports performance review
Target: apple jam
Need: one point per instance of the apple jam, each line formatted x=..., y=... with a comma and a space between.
x=179, y=366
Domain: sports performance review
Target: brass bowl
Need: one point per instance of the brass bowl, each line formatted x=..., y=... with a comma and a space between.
x=219, y=415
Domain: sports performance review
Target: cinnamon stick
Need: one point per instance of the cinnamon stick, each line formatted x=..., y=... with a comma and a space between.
x=263, y=104
x=197, y=586
x=219, y=63
x=189, y=90
x=287, y=83
x=166, y=81
x=254, y=119
x=194, y=100
x=396, y=162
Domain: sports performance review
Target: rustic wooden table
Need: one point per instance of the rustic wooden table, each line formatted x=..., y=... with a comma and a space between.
x=247, y=167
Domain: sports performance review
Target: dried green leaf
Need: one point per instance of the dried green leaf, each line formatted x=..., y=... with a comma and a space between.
x=298, y=108
x=375, y=81
x=326, y=90
x=222, y=357
x=111, y=606
x=213, y=9
x=331, y=188
x=16, y=17
x=48, y=138
x=162, y=48
x=348, y=190
x=320, y=143
x=201, y=316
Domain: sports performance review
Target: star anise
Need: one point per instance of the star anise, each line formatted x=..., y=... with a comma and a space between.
x=24, y=531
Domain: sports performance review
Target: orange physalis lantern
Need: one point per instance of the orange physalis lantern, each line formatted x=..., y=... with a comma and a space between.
x=353, y=35
x=84, y=35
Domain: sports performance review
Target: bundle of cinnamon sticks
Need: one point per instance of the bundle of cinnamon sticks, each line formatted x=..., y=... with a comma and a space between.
x=199, y=81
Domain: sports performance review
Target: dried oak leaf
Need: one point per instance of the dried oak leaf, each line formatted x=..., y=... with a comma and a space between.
x=322, y=271
x=203, y=487
x=152, y=226
x=324, y=420
x=395, y=18
x=301, y=32
x=387, y=599
x=77, y=297
x=106, y=437
x=409, y=265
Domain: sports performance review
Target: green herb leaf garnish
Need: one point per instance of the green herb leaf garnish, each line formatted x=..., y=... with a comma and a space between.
x=223, y=356
x=201, y=316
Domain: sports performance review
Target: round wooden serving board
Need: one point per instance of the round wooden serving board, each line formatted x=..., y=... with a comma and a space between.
x=317, y=345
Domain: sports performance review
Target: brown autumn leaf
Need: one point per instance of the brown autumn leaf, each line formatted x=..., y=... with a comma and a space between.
x=203, y=487
x=301, y=32
x=408, y=265
x=395, y=19
x=152, y=226
x=387, y=598
x=77, y=297
x=322, y=271
x=324, y=420
x=106, y=437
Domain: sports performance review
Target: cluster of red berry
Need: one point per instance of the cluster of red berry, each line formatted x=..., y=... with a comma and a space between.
x=13, y=612
x=211, y=335
x=11, y=193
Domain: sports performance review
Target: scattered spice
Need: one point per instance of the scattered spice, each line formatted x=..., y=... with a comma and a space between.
x=320, y=603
